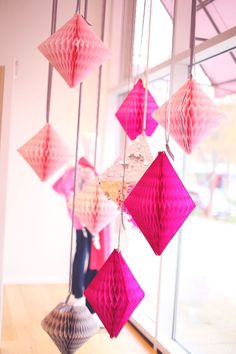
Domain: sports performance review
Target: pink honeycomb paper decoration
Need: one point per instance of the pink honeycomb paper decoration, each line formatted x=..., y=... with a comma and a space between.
x=45, y=152
x=138, y=159
x=131, y=112
x=69, y=327
x=193, y=116
x=74, y=50
x=93, y=208
x=114, y=293
x=159, y=203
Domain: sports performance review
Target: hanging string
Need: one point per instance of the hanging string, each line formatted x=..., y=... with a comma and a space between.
x=78, y=5
x=50, y=67
x=172, y=68
x=75, y=179
x=192, y=38
x=99, y=86
x=147, y=68
x=126, y=122
x=141, y=41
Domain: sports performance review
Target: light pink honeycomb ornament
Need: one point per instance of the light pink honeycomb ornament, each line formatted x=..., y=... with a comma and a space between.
x=74, y=50
x=114, y=293
x=137, y=160
x=69, y=327
x=131, y=112
x=193, y=116
x=93, y=208
x=45, y=152
x=159, y=203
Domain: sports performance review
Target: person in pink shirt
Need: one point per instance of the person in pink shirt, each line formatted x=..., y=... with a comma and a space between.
x=91, y=252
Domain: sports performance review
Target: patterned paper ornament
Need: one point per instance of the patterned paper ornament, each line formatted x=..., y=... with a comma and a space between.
x=138, y=159
x=45, y=152
x=193, y=116
x=93, y=208
x=159, y=203
x=69, y=327
x=114, y=293
x=131, y=112
x=74, y=50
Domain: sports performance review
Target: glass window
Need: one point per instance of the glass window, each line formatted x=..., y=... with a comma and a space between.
x=206, y=305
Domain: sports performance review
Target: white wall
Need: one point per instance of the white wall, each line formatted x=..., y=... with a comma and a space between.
x=37, y=228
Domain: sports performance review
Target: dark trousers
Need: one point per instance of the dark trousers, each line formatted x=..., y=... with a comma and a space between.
x=81, y=275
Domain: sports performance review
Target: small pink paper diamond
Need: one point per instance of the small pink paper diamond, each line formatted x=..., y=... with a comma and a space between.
x=114, y=293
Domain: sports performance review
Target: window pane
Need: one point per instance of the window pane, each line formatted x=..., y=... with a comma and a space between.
x=206, y=305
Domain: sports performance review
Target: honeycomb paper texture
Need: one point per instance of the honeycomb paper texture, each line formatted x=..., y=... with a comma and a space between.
x=74, y=50
x=159, y=203
x=131, y=112
x=69, y=327
x=45, y=152
x=114, y=293
x=138, y=158
x=193, y=116
x=93, y=208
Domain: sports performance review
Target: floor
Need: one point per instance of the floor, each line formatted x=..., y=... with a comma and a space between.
x=26, y=305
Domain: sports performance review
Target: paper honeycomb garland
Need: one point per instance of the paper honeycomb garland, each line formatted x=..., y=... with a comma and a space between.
x=45, y=152
x=131, y=112
x=159, y=203
x=138, y=158
x=193, y=116
x=74, y=50
x=93, y=208
x=114, y=293
x=69, y=327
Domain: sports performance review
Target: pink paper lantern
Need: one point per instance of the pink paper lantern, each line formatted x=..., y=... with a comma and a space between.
x=69, y=327
x=193, y=116
x=138, y=159
x=45, y=152
x=114, y=293
x=131, y=112
x=159, y=203
x=93, y=208
x=74, y=50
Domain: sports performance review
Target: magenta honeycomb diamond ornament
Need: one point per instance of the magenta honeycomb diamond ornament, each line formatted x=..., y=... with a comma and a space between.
x=74, y=50
x=193, y=116
x=137, y=160
x=114, y=293
x=45, y=152
x=69, y=327
x=159, y=203
x=131, y=112
x=93, y=208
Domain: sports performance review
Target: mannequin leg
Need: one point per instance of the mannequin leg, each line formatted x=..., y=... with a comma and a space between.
x=82, y=249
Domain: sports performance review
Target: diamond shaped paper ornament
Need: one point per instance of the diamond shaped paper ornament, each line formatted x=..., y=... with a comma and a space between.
x=114, y=293
x=69, y=327
x=93, y=208
x=193, y=116
x=45, y=152
x=138, y=159
x=159, y=203
x=74, y=50
x=131, y=112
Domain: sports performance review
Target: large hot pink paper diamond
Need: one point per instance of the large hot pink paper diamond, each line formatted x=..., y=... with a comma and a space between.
x=69, y=327
x=114, y=293
x=193, y=116
x=93, y=208
x=137, y=160
x=74, y=50
x=159, y=203
x=45, y=152
x=131, y=112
